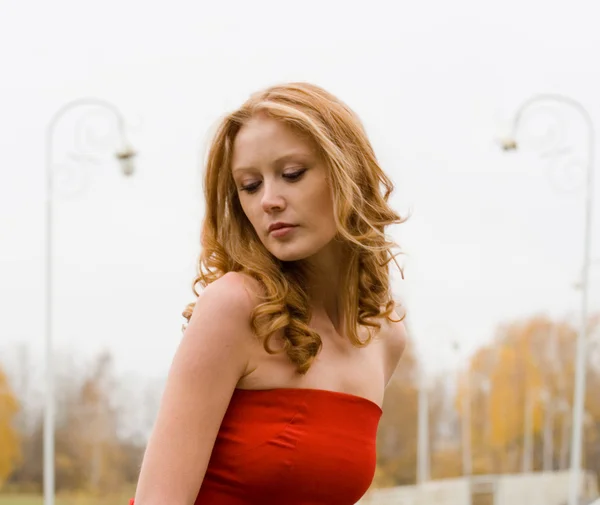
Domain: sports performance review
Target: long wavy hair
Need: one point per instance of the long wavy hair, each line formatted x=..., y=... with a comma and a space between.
x=360, y=191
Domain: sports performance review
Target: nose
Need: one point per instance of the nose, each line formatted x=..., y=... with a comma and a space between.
x=272, y=199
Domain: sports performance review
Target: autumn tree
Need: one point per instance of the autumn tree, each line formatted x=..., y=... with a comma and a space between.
x=520, y=394
x=10, y=450
x=88, y=450
x=444, y=429
x=94, y=447
x=397, y=434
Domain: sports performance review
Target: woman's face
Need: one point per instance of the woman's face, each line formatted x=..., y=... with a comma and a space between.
x=282, y=186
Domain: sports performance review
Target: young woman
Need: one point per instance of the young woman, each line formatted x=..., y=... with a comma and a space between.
x=274, y=395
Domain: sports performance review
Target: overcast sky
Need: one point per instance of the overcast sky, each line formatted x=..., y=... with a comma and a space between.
x=491, y=238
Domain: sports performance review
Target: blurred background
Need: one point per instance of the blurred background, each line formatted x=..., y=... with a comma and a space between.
x=483, y=115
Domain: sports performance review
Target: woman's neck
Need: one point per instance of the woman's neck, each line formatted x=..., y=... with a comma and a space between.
x=328, y=270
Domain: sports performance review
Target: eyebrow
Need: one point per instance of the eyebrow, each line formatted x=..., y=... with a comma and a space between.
x=303, y=155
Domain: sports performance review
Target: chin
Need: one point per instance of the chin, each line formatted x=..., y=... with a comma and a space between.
x=290, y=252
x=289, y=255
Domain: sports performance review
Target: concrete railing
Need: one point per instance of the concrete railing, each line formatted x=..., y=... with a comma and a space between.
x=532, y=489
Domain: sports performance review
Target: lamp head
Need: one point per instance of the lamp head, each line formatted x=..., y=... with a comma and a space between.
x=125, y=157
x=509, y=144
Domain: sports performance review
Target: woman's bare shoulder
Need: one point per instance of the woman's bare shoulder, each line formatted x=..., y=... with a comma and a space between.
x=235, y=290
x=394, y=337
x=214, y=353
x=222, y=316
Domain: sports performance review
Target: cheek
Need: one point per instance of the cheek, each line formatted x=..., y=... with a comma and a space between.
x=249, y=212
x=322, y=206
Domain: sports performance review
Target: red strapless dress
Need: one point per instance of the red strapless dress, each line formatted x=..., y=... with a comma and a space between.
x=292, y=447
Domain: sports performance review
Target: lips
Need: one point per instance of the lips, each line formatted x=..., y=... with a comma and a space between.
x=279, y=226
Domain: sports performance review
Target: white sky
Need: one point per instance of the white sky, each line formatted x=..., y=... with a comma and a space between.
x=435, y=83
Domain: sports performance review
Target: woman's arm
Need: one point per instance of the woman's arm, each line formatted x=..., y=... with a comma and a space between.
x=210, y=360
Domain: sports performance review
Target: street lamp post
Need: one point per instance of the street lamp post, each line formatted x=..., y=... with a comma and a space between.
x=485, y=386
x=467, y=459
x=125, y=156
x=527, y=462
x=423, y=456
x=567, y=420
x=423, y=462
x=465, y=415
x=549, y=411
x=580, y=366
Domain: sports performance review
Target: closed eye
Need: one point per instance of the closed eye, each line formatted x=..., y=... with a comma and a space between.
x=290, y=176
x=294, y=176
x=250, y=188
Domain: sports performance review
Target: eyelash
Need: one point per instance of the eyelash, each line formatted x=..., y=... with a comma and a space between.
x=291, y=177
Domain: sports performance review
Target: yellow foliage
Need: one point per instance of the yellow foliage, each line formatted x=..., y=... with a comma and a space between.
x=10, y=447
x=446, y=463
x=523, y=379
x=397, y=434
